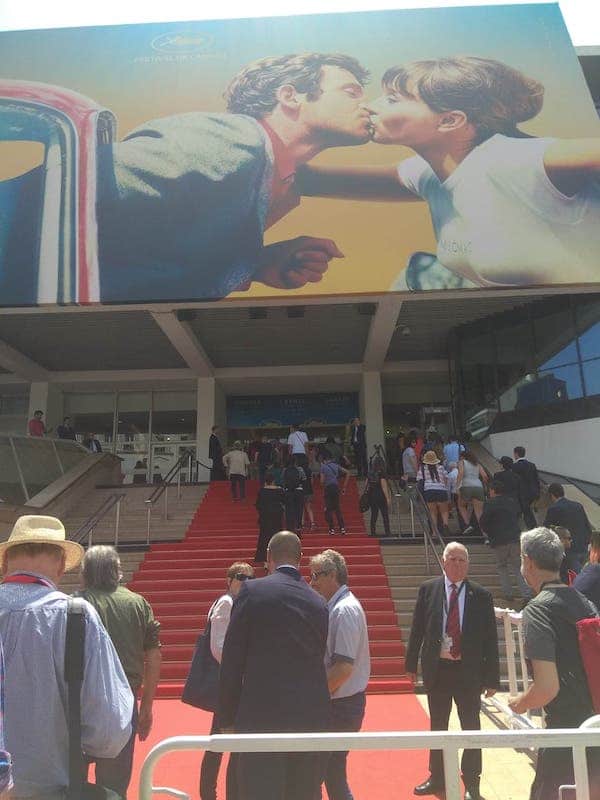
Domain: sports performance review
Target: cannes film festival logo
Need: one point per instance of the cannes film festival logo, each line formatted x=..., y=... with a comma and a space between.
x=182, y=43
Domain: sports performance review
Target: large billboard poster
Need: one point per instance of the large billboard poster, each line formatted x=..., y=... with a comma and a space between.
x=310, y=155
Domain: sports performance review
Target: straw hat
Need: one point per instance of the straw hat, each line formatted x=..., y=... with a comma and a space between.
x=34, y=529
x=430, y=458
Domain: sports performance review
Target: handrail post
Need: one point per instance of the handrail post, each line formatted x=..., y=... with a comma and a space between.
x=149, y=512
x=426, y=545
x=451, y=774
x=167, y=501
x=179, y=483
x=117, y=520
x=90, y=536
x=19, y=470
x=510, y=654
x=56, y=453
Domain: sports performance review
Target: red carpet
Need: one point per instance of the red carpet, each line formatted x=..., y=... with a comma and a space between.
x=372, y=775
x=182, y=579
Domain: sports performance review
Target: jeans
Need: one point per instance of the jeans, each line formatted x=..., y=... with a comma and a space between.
x=209, y=771
x=377, y=505
x=238, y=483
x=115, y=773
x=347, y=714
x=294, y=506
x=507, y=556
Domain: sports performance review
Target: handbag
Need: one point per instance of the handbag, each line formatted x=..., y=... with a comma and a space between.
x=79, y=788
x=201, y=688
x=364, y=501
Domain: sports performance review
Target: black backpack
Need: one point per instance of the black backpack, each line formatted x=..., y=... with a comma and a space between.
x=293, y=478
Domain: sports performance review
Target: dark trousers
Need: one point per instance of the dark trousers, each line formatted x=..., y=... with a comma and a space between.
x=347, y=714
x=449, y=686
x=238, y=484
x=360, y=459
x=262, y=471
x=278, y=776
x=332, y=505
x=555, y=768
x=379, y=504
x=294, y=507
x=209, y=771
x=529, y=516
x=115, y=773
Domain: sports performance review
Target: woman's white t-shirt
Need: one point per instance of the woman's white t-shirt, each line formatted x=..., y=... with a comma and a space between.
x=498, y=218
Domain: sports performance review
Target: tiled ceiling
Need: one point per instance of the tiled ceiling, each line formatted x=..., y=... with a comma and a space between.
x=326, y=334
x=90, y=340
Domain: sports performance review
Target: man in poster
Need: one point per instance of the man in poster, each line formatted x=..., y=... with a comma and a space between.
x=184, y=200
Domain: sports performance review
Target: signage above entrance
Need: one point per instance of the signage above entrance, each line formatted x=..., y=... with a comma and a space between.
x=308, y=410
x=274, y=157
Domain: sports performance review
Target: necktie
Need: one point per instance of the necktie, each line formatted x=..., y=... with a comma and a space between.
x=453, y=622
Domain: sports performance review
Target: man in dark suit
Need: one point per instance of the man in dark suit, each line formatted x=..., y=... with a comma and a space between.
x=454, y=630
x=215, y=453
x=530, y=484
x=273, y=676
x=358, y=440
x=511, y=481
x=571, y=515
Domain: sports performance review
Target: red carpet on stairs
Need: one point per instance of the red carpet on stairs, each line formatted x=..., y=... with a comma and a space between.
x=182, y=579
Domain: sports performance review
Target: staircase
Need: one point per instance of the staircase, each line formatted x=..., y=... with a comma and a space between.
x=182, y=579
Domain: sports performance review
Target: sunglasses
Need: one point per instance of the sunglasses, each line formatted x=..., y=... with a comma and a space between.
x=315, y=575
x=241, y=577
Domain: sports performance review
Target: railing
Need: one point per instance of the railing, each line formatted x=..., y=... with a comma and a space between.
x=163, y=489
x=29, y=464
x=449, y=742
x=88, y=527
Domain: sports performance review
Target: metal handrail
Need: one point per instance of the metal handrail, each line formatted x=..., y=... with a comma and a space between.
x=88, y=527
x=428, y=526
x=449, y=742
x=163, y=488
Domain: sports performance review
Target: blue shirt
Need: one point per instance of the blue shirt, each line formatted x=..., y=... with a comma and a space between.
x=331, y=473
x=348, y=640
x=452, y=452
x=33, y=624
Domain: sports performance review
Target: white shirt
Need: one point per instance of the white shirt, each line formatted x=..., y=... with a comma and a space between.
x=452, y=478
x=219, y=616
x=462, y=590
x=297, y=440
x=347, y=640
x=498, y=218
x=237, y=462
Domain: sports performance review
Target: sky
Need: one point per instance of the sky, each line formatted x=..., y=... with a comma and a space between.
x=582, y=17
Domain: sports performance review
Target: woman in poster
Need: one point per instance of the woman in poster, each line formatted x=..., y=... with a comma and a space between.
x=507, y=208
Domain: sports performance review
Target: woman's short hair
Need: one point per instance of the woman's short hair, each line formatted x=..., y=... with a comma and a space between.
x=101, y=568
x=239, y=566
x=544, y=548
x=494, y=96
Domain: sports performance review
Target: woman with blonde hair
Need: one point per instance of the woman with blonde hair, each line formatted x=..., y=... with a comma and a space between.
x=507, y=208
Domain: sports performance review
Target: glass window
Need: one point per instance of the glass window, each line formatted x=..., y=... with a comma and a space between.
x=38, y=462
x=588, y=327
x=133, y=426
x=514, y=354
x=559, y=384
x=555, y=338
x=92, y=413
x=477, y=370
x=591, y=376
x=10, y=483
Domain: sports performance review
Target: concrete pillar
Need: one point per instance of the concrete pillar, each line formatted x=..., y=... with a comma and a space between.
x=371, y=410
x=210, y=410
x=47, y=398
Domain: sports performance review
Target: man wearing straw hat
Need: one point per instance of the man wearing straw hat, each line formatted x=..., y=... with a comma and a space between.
x=33, y=622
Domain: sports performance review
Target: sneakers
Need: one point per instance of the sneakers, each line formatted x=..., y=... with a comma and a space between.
x=331, y=531
x=343, y=531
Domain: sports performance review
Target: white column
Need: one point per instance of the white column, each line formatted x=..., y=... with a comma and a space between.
x=47, y=398
x=371, y=409
x=205, y=419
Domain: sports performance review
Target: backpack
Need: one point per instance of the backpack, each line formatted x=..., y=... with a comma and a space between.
x=588, y=637
x=293, y=478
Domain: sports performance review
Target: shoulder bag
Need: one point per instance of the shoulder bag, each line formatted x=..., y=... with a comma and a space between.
x=201, y=688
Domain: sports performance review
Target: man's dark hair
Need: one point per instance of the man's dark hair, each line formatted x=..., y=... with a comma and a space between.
x=519, y=452
x=253, y=91
x=556, y=490
x=506, y=462
x=497, y=487
x=39, y=411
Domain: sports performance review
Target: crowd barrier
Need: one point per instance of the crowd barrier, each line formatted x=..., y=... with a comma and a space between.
x=449, y=742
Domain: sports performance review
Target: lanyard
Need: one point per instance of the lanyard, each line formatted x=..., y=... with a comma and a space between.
x=24, y=577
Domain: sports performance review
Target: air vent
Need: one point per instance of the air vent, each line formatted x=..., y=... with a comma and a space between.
x=257, y=313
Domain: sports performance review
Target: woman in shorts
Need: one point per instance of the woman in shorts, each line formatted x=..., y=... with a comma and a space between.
x=435, y=489
x=471, y=494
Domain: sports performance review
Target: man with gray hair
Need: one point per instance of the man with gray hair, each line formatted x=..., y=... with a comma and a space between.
x=454, y=631
x=551, y=644
x=347, y=660
x=129, y=620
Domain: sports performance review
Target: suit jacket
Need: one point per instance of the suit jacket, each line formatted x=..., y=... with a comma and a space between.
x=273, y=674
x=500, y=520
x=182, y=206
x=361, y=436
x=215, y=451
x=571, y=515
x=479, y=639
x=530, y=481
x=512, y=483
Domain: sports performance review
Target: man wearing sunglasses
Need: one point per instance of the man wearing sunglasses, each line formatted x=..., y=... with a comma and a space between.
x=347, y=660
x=273, y=674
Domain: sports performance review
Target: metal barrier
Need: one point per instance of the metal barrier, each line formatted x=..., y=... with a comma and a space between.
x=88, y=527
x=449, y=742
x=163, y=488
